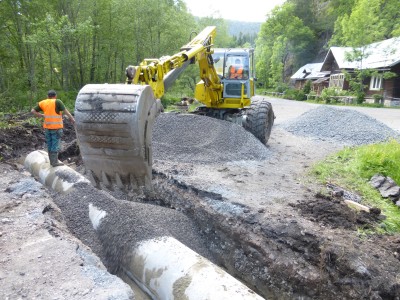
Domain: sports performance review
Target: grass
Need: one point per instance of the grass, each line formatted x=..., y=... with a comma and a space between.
x=352, y=168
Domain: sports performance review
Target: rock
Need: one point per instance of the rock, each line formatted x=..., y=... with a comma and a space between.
x=377, y=180
x=386, y=186
x=389, y=189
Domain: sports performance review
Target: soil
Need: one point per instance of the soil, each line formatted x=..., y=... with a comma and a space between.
x=266, y=222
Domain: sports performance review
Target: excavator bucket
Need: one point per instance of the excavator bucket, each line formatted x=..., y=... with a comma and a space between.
x=114, y=125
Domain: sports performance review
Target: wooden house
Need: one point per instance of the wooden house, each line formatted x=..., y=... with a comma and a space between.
x=380, y=58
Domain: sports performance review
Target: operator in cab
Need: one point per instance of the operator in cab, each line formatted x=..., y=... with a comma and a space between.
x=236, y=70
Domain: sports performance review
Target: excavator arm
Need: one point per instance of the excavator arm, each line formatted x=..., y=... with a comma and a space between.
x=161, y=73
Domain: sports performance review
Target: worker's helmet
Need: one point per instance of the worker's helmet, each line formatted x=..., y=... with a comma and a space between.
x=51, y=93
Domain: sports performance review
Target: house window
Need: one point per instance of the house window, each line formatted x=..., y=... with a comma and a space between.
x=376, y=83
x=336, y=80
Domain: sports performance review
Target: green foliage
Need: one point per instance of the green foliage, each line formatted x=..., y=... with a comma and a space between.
x=381, y=158
x=377, y=98
x=356, y=84
x=168, y=100
x=281, y=87
x=283, y=37
x=369, y=21
x=294, y=94
x=67, y=44
x=328, y=95
x=307, y=87
x=352, y=168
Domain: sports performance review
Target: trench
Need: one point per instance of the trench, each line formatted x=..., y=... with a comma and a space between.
x=215, y=218
x=132, y=219
x=221, y=227
x=271, y=258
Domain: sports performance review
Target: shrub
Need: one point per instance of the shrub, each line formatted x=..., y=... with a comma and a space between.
x=307, y=87
x=377, y=98
x=282, y=88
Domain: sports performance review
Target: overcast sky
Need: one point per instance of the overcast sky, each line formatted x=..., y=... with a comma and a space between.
x=247, y=10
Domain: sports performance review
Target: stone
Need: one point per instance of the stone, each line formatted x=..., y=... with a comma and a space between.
x=377, y=180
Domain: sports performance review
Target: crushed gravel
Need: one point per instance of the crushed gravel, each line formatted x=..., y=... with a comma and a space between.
x=346, y=126
x=126, y=223
x=201, y=139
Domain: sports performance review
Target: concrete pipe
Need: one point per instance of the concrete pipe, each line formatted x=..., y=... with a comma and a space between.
x=162, y=267
x=61, y=179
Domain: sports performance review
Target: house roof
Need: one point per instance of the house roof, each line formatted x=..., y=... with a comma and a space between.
x=383, y=54
x=339, y=54
x=308, y=71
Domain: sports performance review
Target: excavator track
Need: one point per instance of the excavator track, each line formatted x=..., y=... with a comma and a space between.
x=114, y=125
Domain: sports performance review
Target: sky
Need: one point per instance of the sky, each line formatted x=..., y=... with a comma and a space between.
x=247, y=10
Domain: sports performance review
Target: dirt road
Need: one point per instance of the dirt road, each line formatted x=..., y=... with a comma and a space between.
x=266, y=222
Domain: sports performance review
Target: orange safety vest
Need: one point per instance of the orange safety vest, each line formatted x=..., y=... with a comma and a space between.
x=236, y=72
x=52, y=120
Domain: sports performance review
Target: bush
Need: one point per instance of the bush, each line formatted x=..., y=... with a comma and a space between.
x=377, y=98
x=282, y=88
x=300, y=96
x=360, y=97
x=293, y=94
x=307, y=87
x=168, y=100
x=328, y=95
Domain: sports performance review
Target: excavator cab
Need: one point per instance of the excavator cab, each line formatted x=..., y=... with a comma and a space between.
x=235, y=68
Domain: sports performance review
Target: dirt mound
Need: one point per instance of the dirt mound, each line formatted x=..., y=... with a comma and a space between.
x=16, y=141
x=21, y=137
x=334, y=213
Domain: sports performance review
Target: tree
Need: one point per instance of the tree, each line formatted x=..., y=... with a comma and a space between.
x=284, y=43
x=368, y=22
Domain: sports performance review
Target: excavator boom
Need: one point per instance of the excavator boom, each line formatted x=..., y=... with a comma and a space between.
x=161, y=73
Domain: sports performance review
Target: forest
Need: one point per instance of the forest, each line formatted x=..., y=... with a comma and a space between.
x=64, y=45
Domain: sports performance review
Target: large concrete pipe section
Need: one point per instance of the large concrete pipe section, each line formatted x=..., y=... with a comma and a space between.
x=161, y=265
x=60, y=179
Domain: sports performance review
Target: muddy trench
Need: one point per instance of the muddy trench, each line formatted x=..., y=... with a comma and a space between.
x=276, y=260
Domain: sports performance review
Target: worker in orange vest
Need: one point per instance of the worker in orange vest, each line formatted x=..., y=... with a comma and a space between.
x=236, y=70
x=52, y=112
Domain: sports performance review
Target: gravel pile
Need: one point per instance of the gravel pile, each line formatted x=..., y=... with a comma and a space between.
x=200, y=139
x=345, y=126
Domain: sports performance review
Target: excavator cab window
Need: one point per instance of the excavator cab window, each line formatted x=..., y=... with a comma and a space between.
x=237, y=67
x=218, y=59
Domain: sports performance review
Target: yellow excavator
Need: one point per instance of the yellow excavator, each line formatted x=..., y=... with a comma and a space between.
x=114, y=121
